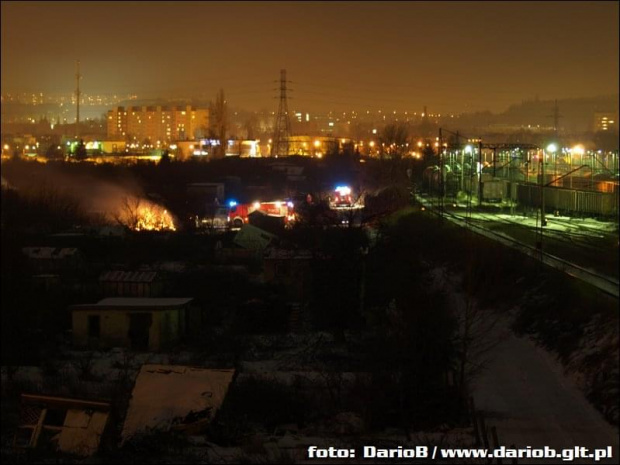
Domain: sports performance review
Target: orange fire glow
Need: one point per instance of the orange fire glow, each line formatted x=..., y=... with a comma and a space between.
x=153, y=218
x=140, y=214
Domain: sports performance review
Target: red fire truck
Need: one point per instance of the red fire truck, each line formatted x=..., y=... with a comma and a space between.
x=238, y=213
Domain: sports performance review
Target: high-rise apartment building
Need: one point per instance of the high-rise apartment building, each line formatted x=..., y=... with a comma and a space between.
x=606, y=121
x=157, y=123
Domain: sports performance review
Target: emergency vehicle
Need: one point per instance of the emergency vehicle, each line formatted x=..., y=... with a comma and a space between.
x=238, y=213
x=341, y=197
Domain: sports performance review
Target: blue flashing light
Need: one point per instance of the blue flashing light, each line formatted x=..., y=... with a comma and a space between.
x=232, y=203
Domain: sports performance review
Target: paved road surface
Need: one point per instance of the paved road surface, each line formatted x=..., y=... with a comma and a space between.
x=525, y=394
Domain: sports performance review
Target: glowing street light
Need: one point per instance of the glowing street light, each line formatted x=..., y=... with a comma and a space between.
x=578, y=149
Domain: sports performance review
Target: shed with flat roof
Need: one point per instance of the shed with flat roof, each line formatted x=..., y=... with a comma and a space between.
x=149, y=324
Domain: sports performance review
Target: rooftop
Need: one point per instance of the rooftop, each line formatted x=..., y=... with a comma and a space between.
x=128, y=276
x=49, y=252
x=135, y=302
x=169, y=395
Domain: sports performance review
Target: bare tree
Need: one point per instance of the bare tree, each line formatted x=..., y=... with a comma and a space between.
x=477, y=326
x=394, y=139
x=129, y=213
x=251, y=126
x=219, y=123
x=84, y=364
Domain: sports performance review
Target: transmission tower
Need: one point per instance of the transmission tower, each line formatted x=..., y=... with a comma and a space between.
x=78, y=76
x=282, y=131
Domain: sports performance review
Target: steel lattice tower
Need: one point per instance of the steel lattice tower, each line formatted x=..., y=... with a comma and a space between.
x=282, y=131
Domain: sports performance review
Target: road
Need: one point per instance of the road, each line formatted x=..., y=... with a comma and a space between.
x=525, y=394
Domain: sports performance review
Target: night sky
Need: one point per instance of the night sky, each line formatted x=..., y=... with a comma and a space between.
x=451, y=56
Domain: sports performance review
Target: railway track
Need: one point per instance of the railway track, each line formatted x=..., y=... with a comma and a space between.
x=576, y=237
x=479, y=225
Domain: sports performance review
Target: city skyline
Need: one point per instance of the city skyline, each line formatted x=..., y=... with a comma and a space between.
x=396, y=56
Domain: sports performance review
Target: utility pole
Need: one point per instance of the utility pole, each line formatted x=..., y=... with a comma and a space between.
x=441, y=180
x=480, y=173
x=78, y=76
x=282, y=131
x=543, y=220
x=458, y=147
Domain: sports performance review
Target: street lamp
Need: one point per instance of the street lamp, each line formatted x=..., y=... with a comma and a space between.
x=551, y=148
x=479, y=172
x=576, y=150
x=468, y=150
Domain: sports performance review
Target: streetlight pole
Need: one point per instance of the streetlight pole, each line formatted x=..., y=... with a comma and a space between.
x=539, y=233
x=551, y=148
x=480, y=173
x=462, y=168
x=441, y=182
x=543, y=221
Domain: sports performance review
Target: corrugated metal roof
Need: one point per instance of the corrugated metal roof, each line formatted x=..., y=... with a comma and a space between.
x=49, y=252
x=273, y=253
x=128, y=276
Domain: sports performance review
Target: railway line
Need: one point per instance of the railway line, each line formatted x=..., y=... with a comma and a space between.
x=482, y=223
x=575, y=236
